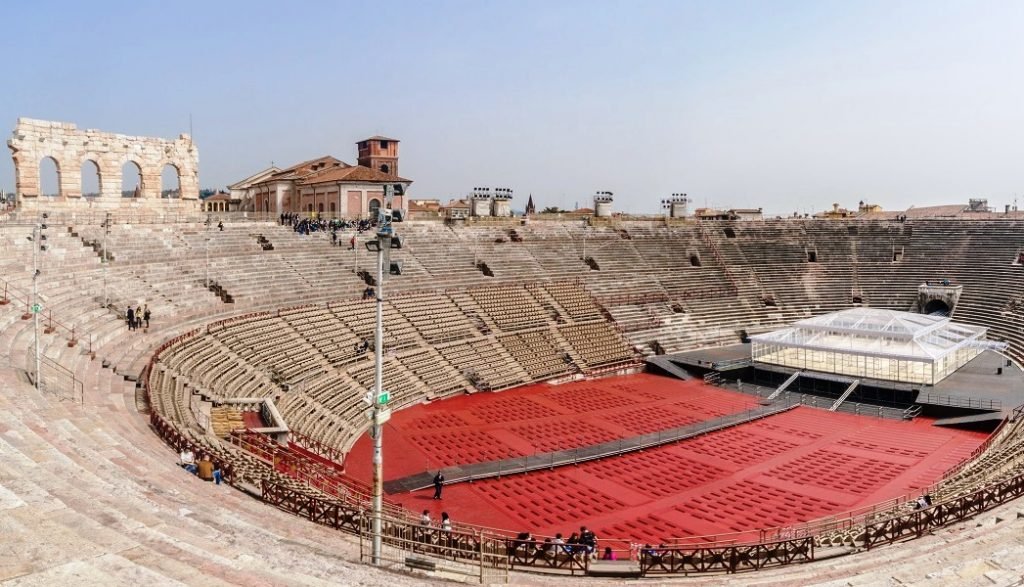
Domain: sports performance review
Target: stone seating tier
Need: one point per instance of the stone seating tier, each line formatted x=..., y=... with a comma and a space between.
x=977, y=254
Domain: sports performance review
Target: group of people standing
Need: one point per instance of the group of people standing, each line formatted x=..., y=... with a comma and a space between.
x=310, y=225
x=137, y=317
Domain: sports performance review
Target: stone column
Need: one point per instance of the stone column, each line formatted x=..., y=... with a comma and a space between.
x=150, y=182
x=70, y=178
x=26, y=178
x=111, y=177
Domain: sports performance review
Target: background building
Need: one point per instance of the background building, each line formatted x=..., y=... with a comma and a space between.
x=328, y=186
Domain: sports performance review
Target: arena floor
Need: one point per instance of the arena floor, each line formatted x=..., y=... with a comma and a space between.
x=792, y=467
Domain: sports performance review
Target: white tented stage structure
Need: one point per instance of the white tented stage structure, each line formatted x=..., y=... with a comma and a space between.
x=876, y=344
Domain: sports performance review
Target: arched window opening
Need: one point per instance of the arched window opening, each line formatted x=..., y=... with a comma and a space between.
x=332, y=208
x=170, y=182
x=90, y=179
x=374, y=206
x=385, y=168
x=131, y=180
x=320, y=207
x=49, y=178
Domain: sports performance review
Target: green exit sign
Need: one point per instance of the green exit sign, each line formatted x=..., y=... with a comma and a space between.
x=384, y=397
x=36, y=308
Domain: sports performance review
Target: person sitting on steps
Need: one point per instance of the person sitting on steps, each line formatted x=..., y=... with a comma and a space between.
x=187, y=460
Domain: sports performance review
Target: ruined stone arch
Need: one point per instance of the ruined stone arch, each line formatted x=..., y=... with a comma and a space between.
x=83, y=189
x=71, y=147
x=126, y=184
x=163, y=188
x=57, y=169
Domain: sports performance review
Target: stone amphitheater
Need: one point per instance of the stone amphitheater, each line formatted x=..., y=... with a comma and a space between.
x=90, y=489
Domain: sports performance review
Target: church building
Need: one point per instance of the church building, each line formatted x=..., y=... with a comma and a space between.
x=327, y=186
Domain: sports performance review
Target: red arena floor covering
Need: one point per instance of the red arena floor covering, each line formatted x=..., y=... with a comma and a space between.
x=793, y=467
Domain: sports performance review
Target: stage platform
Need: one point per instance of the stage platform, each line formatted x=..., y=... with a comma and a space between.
x=977, y=385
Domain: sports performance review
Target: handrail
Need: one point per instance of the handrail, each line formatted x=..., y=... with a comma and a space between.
x=77, y=385
x=330, y=455
x=941, y=399
x=298, y=467
x=10, y=288
x=26, y=299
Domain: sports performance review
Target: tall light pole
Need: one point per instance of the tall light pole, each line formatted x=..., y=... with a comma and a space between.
x=207, y=278
x=106, y=231
x=37, y=308
x=379, y=413
x=378, y=386
x=35, y=301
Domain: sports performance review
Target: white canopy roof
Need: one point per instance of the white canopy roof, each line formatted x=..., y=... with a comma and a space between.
x=872, y=331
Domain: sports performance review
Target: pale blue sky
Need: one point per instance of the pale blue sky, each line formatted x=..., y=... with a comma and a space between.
x=785, y=105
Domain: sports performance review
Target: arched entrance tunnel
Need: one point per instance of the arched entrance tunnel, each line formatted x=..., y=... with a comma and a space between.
x=936, y=306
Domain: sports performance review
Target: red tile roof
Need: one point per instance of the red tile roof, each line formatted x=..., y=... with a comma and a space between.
x=423, y=205
x=305, y=168
x=351, y=174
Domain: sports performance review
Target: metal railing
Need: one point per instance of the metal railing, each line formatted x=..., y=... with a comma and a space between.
x=409, y=544
x=961, y=402
x=61, y=382
x=10, y=293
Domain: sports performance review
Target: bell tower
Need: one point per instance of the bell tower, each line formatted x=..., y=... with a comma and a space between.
x=380, y=153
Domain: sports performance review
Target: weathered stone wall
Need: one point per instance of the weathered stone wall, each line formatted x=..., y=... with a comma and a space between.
x=34, y=140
